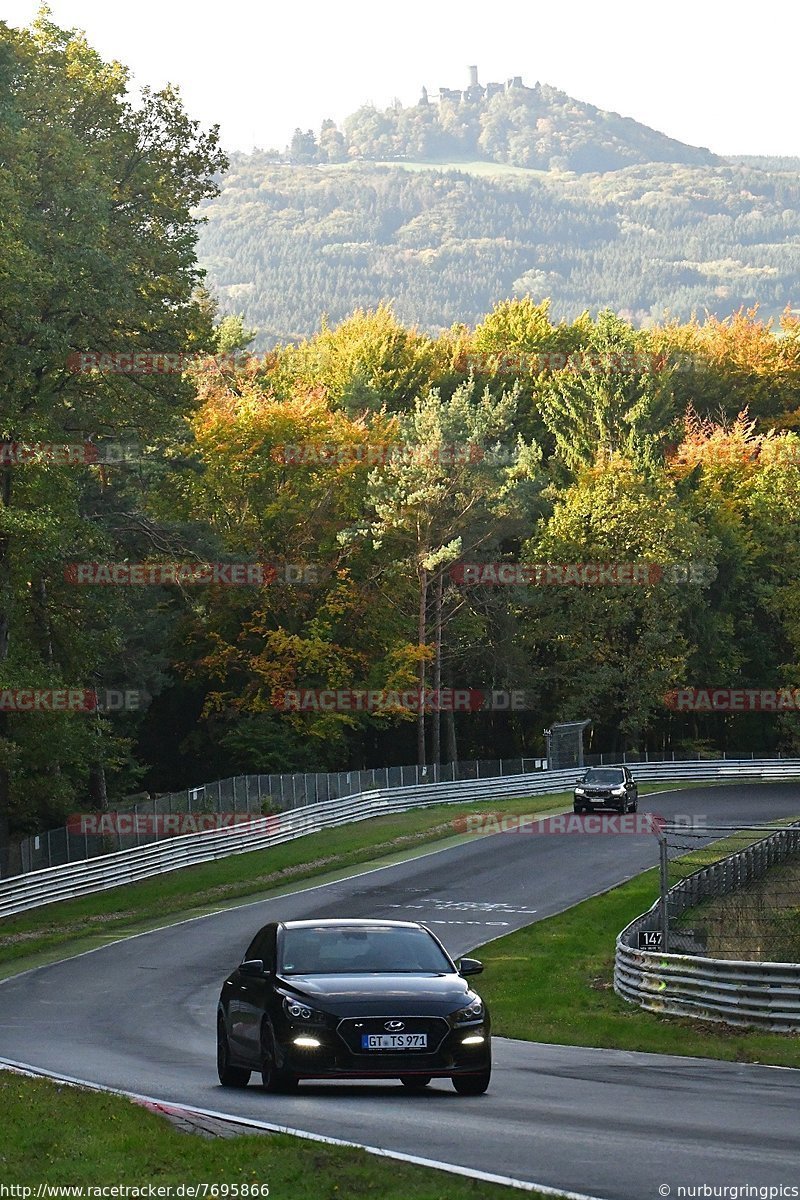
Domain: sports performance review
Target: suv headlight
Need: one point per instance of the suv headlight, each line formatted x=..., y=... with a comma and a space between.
x=579, y=791
x=618, y=791
x=474, y=1011
x=298, y=1010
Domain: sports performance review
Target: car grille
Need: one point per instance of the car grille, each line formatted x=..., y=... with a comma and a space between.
x=351, y=1029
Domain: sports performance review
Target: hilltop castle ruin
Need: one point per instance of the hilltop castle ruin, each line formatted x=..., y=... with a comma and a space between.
x=474, y=90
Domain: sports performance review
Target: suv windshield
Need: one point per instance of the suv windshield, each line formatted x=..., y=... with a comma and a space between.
x=323, y=951
x=604, y=775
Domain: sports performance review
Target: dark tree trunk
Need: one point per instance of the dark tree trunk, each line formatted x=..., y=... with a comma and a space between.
x=422, y=633
x=436, y=752
x=5, y=600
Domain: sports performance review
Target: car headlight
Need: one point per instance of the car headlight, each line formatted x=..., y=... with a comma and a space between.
x=474, y=1011
x=579, y=791
x=618, y=791
x=298, y=1010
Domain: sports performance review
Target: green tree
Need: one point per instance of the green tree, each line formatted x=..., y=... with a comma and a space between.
x=438, y=500
x=98, y=250
x=611, y=400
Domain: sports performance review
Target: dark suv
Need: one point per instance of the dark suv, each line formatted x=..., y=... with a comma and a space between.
x=609, y=788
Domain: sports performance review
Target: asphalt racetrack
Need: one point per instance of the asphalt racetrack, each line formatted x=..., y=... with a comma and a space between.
x=139, y=1015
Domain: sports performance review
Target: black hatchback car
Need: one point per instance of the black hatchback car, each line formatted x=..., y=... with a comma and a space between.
x=339, y=999
x=606, y=788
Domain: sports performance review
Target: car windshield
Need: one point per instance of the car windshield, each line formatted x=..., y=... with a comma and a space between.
x=320, y=950
x=604, y=775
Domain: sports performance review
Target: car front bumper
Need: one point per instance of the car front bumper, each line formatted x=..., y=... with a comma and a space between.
x=608, y=802
x=333, y=1058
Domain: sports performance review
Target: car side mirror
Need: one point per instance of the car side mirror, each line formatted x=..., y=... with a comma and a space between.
x=469, y=966
x=252, y=967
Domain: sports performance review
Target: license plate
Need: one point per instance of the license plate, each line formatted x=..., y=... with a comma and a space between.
x=394, y=1041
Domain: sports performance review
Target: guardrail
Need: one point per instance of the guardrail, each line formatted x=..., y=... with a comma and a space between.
x=253, y=795
x=46, y=886
x=733, y=991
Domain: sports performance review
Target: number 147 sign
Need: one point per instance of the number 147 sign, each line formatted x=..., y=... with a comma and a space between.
x=651, y=939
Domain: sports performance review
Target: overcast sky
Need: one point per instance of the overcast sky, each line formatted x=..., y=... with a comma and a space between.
x=716, y=73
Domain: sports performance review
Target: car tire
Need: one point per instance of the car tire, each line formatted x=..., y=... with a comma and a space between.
x=635, y=805
x=415, y=1083
x=229, y=1076
x=472, y=1085
x=272, y=1079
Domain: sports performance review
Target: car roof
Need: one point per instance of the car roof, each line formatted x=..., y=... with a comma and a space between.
x=349, y=923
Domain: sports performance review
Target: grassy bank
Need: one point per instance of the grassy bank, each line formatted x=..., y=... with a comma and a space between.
x=69, y=1136
x=760, y=922
x=552, y=982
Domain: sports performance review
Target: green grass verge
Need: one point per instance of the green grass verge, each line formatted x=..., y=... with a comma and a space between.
x=44, y=934
x=552, y=982
x=69, y=1136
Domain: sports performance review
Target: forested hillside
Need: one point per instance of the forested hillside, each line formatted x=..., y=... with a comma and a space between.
x=284, y=244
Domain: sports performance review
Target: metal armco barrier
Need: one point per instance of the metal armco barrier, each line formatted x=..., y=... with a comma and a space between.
x=24, y=892
x=733, y=991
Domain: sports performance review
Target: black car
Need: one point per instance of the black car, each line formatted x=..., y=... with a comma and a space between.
x=606, y=788
x=345, y=999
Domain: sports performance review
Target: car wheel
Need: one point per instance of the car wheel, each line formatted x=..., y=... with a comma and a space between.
x=635, y=805
x=273, y=1080
x=415, y=1083
x=472, y=1085
x=229, y=1076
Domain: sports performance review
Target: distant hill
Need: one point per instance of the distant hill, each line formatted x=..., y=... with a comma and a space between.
x=497, y=190
x=537, y=127
x=284, y=244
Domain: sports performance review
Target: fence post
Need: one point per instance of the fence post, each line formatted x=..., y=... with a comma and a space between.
x=664, y=866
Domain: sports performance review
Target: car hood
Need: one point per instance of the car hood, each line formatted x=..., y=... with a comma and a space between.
x=380, y=993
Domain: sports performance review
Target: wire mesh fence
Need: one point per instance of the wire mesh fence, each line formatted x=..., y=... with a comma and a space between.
x=142, y=821
x=731, y=893
x=229, y=802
